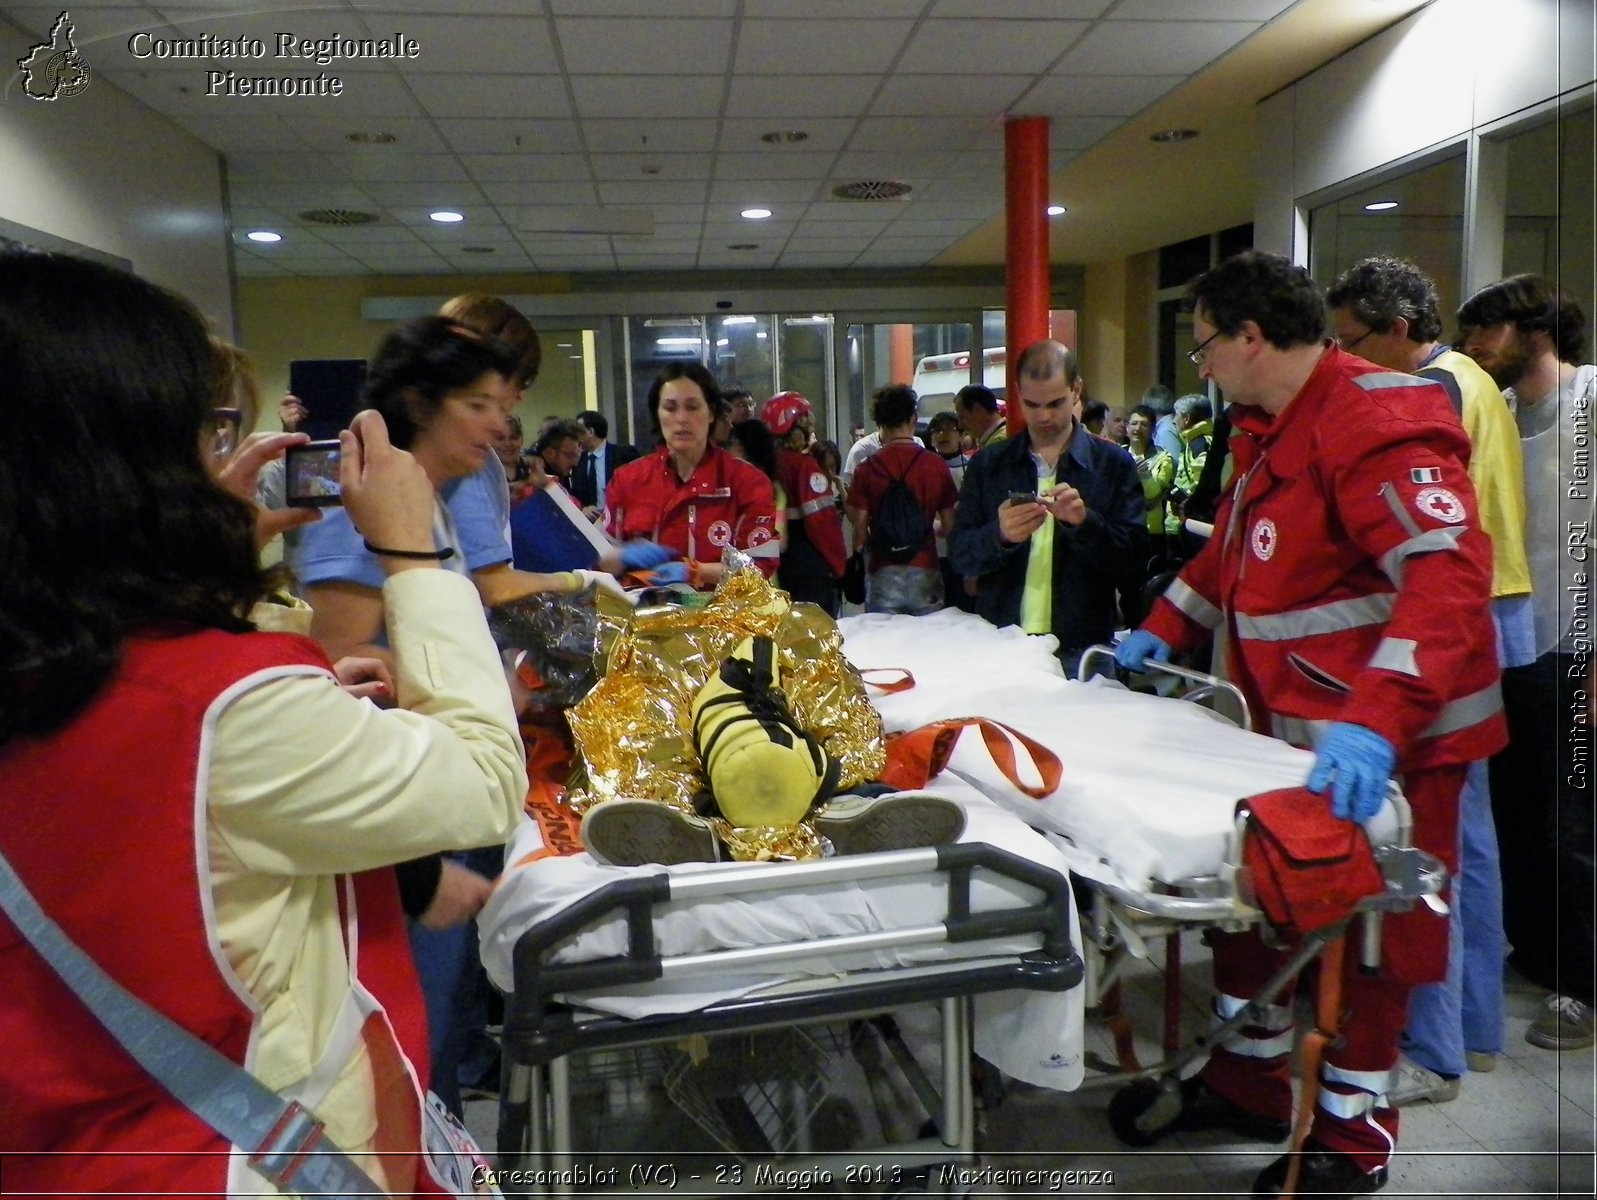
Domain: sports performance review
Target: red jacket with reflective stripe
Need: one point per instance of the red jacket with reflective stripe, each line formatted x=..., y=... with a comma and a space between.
x=1350, y=570
x=813, y=514
x=725, y=501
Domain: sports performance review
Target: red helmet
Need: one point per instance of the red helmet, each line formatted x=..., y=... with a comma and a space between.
x=783, y=411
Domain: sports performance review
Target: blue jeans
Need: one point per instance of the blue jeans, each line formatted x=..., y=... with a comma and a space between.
x=1465, y=1011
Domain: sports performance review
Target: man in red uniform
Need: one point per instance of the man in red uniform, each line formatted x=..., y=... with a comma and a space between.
x=813, y=558
x=1353, y=580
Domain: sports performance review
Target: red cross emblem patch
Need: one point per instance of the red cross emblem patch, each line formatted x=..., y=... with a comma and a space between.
x=1263, y=539
x=1440, y=505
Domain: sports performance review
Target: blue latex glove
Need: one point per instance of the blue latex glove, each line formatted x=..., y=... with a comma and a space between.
x=641, y=555
x=1356, y=763
x=1140, y=645
x=671, y=572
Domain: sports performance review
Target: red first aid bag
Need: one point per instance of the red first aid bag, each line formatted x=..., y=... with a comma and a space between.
x=1310, y=869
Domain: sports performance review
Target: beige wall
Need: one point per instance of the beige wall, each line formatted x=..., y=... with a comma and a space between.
x=1117, y=329
x=101, y=170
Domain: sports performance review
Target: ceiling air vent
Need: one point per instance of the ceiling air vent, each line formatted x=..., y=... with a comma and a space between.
x=872, y=189
x=338, y=216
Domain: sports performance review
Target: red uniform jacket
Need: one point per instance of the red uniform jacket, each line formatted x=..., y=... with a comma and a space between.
x=725, y=502
x=1349, y=567
x=814, y=520
x=105, y=823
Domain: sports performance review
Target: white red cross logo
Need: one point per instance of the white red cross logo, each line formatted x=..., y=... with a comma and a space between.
x=1440, y=504
x=1264, y=539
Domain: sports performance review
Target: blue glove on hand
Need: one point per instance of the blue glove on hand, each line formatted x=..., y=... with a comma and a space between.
x=671, y=572
x=1357, y=765
x=1140, y=645
x=640, y=556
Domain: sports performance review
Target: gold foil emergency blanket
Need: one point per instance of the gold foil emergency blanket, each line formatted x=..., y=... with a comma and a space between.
x=634, y=729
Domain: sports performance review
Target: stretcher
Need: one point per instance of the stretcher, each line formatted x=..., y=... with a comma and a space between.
x=1146, y=809
x=598, y=960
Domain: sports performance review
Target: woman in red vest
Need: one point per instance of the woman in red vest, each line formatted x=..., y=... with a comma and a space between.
x=198, y=805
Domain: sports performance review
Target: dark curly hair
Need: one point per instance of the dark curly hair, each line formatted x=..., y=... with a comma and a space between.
x=1533, y=304
x=1379, y=290
x=113, y=523
x=1281, y=299
x=419, y=363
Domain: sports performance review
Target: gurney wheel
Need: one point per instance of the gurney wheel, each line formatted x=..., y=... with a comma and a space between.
x=1143, y=1112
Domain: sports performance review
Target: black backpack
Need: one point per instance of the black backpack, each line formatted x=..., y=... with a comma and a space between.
x=898, y=526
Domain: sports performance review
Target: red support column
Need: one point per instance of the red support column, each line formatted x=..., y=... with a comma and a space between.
x=1026, y=244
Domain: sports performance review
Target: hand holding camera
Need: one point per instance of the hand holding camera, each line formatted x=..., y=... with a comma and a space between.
x=388, y=495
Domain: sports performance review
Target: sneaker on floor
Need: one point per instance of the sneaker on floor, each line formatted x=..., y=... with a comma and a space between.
x=635, y=833
x=1480, y=1061
x=900, y=821
x=1325, y=1173
x=1143, y=1112
x=1414, y=1084
x=1566, y=1024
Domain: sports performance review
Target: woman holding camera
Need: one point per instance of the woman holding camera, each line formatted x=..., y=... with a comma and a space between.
x=152, y=744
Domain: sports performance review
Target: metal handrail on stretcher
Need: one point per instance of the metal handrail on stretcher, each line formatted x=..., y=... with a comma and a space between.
x=1203, y=681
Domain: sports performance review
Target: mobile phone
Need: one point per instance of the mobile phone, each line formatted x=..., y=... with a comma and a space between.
x=1023, y=497
x=330, y=389
x=310, y=474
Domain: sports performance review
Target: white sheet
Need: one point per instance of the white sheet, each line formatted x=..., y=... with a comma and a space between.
x=1033, y=1036
x=1149, y=786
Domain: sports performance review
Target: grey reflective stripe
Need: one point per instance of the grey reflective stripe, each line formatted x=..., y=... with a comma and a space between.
x=1356, y=612
x=1377, y=381
x=793, y=514
x=1192, y=605
x=1397, y=654
x=819, y=504
x=1393, y=502
x=1429, y=542
x=1297, y=731
x=1466, y=711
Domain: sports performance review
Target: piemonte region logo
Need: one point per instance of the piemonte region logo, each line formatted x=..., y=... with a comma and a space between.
x=54, y=68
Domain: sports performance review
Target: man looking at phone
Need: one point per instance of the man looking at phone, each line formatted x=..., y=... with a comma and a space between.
x=1049, y=519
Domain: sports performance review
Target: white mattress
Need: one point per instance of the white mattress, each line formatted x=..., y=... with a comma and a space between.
x=1034, y=1036
x=1149, y=786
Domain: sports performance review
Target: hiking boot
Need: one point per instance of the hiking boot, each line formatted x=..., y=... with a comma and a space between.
x=1414, y=1084
x=1325, y=1173
x=1143, y=1112
x=634, y=833
x=1566, y=1024
x=899, y=821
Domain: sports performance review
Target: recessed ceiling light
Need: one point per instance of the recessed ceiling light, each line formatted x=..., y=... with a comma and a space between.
x=755, y=214
x=1056, y=210
x=778, y=137
x=263, y=235
x=744, y=245
x=445, y=216
x=370, y=139
x=1380, y=205
x=1165, y=136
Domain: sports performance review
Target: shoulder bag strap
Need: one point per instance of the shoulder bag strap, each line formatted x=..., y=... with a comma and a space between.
x=284, y=1141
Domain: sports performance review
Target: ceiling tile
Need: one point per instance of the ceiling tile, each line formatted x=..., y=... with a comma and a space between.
x=666, y=214
x=830, y=245
x=575, y=262
x=846, y=47
x=518, y=168
x=647, y=96
x=950, y=47
x=419, y=199
x=1040, y=10
x=1201, y=10
x=617, y=46
x=673, y=167
x=301, y=194
x=787, y=99
x=613, y=191
x=925, y=133
x=567, y=193
x=821, y=216
x=235, y=134
x=408, y=168
x=253, y=165
x=641, y=8
x=948, y=95
x=826, y=10
x=826, y=133
x=516, y=98
x=649, y=137
x=376, y=13
x=486, y=44
x=1153, y=47
x=890, y=164
x=816, y=259
x=330, y=135
x=1067, y=94
x=680, y=259
x=499, y=136
x=950, y=227
x=764, y=193
x=1077, y=133
x=767, y=233
x=774, y=162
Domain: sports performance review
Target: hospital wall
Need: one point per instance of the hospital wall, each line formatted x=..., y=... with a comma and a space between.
x=1446, y=75
x=100, y=170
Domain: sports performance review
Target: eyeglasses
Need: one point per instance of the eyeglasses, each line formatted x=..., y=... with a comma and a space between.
x=222, y=430
x=1196, y=355
x=1347, y=345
